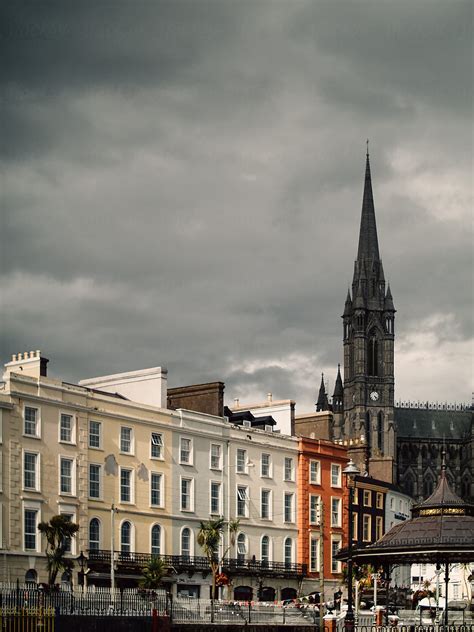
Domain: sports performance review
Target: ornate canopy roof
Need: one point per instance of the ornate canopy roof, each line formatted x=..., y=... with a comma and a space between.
x=441, y=530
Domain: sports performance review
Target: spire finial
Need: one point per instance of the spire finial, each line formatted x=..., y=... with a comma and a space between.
x=367, y=143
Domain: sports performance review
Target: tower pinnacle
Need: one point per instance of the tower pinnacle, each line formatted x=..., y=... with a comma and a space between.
x=368, y=241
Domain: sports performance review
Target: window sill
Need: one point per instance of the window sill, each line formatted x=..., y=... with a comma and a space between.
x=93, y=447
x=73, y=443
x=29, y=436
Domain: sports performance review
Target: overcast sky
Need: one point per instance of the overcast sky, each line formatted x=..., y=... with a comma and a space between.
x=182, y=186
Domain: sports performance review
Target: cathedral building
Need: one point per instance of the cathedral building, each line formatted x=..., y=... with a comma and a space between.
x=397, y=443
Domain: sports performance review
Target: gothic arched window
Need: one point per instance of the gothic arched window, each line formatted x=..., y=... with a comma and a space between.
x=372, y=356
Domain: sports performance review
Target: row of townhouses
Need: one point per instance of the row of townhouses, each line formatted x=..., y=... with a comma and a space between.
x=138, y=466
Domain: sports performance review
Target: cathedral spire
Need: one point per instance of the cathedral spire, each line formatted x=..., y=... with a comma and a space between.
x=338, y=389
x=368, y=242
x=322, y=403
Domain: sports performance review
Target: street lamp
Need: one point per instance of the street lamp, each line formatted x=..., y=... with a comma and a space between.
x=351, y=471
x=82, y=560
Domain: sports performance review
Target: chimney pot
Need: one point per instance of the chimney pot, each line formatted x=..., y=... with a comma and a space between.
x=20, y=356
x=38, y=353
x=32, y=354
x=14, y=357
x=269, y=397
x=236, y=402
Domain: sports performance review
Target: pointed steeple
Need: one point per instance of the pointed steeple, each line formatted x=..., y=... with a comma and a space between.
x=322, y=403
x=338, y=388
x=348, y=304
x=368, y=242
x=388, y=303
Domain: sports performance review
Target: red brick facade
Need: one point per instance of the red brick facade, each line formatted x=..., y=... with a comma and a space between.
x=320, y=477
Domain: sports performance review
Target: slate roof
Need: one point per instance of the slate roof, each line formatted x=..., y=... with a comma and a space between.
x=418, y=422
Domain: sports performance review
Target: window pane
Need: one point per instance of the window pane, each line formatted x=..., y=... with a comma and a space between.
x=155, y=489
x=29, y=476
x=125, y=492
x=66, y=476
x=94, y=434
x=241, y=501
x=156, y=445
x=186, y=494
x=335, y=475
x=186, y=543
x=66, y=428
x=185, y=450
x=265, y=549
x=94, y=481
x=156, y=540
x=126, y=439
x=30, y=528
x=31, y=419
x=265, y=465
x=241, y=460
x=288, y=507
x=94, y=535
x=314, y=473
x=215, y=456
x=288, y=469
x=126, y=537
x=215, y=498
x=265, y=503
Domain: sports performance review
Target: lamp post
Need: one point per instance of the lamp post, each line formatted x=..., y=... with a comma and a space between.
x=351, y=471
x=82, y=559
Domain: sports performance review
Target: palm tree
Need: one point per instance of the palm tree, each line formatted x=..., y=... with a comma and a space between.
x=58, y=531
x=153, y=573
x=209, y=539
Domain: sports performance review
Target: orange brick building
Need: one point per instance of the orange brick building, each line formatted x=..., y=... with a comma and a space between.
x=322, y=503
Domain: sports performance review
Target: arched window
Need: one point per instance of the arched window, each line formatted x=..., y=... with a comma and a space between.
x=156, y=539
x=241, y=547
x=372, y=356
x=126, y=537
x=94, y=534
x=265, y=550
x=186, y=542
x=31, y=576
x=288, y=552
x=380, y=433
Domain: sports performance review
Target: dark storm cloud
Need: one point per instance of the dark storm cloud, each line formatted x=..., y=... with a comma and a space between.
x=183, y=181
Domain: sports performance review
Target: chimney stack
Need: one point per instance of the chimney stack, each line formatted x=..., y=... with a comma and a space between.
x=29, y=363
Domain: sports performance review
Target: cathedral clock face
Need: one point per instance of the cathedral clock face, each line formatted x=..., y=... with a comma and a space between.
x=374, y=396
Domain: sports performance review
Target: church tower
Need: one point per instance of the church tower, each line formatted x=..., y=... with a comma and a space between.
x=368, y=334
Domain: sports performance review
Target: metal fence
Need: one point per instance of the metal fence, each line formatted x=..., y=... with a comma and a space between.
x=100, y=601
x=27, y=619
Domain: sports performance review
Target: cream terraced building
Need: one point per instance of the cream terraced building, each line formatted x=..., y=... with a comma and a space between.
x=138, y=479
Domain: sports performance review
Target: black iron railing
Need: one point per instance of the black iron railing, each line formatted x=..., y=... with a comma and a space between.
x=199, y=564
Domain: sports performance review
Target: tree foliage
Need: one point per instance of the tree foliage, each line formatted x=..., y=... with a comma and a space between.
x=153, y=573
x=209, y=539
x=58, y=532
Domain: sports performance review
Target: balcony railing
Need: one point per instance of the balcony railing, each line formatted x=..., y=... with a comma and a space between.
x=134, y=562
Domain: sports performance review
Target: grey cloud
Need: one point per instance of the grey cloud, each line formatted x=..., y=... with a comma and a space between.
x=199, y=166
